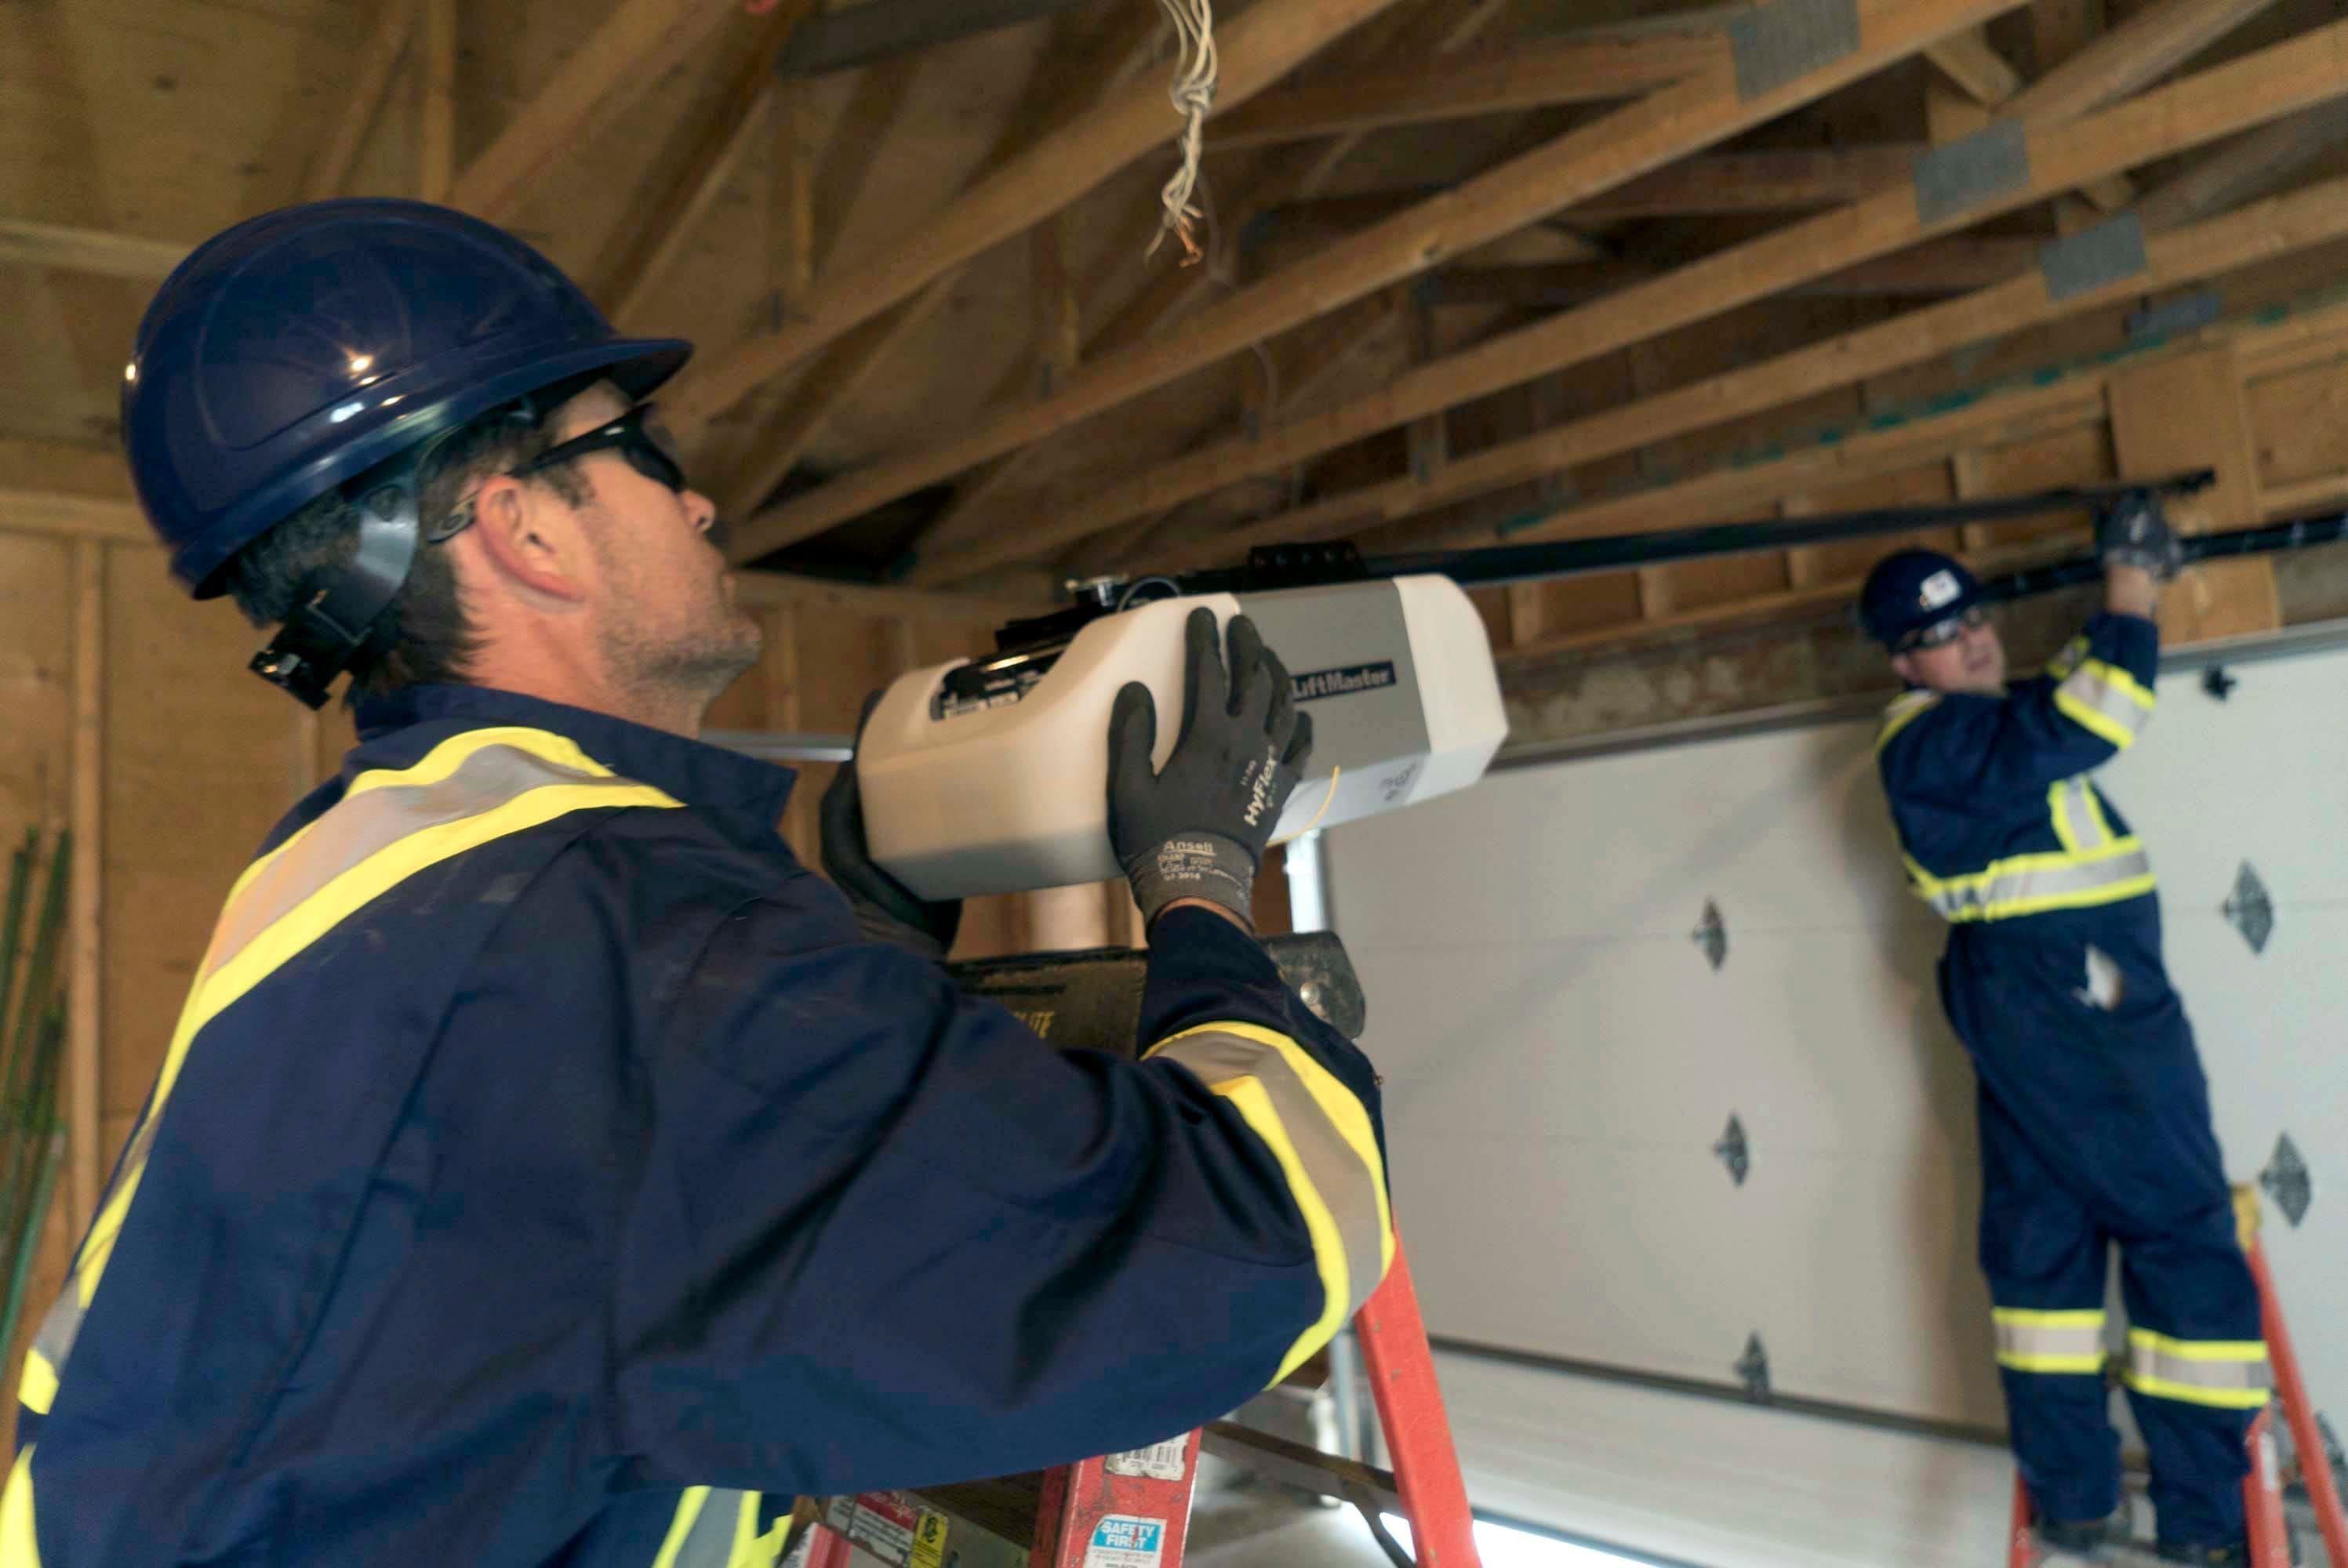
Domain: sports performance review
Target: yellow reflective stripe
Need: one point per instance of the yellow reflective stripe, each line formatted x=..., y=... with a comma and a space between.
x=2190, y=1394
x=1345, y=1113
x=20, y=1546
x=2095, y=809
x=688, y=1509
x=2063, y=834
x=2051, y=1362
x=335, y=900
x=2095, y=723
x=1328, y=1247
x=2199, y=1350
x=2024, y=1316
x=2120, y=680
x=1977, y=896
x=2063, y=662
x=37, y=1388
x=1904, y=711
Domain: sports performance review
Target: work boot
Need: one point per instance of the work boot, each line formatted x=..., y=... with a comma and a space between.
x=2086, y=1540
x=2237, y=1555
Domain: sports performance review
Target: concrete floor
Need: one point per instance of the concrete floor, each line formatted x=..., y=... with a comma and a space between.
x=1237, y=1521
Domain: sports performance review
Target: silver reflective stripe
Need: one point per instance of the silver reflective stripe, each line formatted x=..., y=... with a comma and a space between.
x=2233, y=1374
x=2105, y=701
x=2032, y=1341
x=2037, y=883
x=1346, y=1185
x=2078, y=819
x=708, y=1522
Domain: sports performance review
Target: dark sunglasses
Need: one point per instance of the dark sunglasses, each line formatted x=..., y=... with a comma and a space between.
x=646, y=447
x=1942, y=633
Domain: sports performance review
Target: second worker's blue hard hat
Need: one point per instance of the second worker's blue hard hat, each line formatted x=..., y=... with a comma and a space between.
x=297, y=350
x=1911, y=589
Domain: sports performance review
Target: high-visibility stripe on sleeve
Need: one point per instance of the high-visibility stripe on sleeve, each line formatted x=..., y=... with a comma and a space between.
x=2230, y=1374
x=19, y=1547
x=1904, y=711
x=1321, y=1136
x=2049, y=1342
x=469, y=791
x=2034, y=884
x=752, y=1549
x=2105, y=701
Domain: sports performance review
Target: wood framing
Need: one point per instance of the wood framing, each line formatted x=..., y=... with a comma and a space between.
x=436, y=107
x=2235, y=97
x=1262, y=45
x=361, y=97
x=1666, y=125
x=652, y=245
x=87, y=970
x=62, y=249
x=1481, y=82
x=636, y=44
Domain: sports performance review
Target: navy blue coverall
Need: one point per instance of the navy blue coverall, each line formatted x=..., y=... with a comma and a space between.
x=546, y=1173
x=2094, y=1115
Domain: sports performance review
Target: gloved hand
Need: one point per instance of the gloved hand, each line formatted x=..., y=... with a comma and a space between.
x=1199, y=828
x=2132, y=531
x=886, y=909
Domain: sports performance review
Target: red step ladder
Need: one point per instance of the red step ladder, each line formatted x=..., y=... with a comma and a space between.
x=2262, y=1488
x=1133, y=1510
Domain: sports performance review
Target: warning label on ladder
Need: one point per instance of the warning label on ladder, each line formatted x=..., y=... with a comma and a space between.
x=1122, y=1540
x=1159, y=1461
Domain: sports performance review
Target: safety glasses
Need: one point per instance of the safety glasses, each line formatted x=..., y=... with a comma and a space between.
x=635, y=436
x=1942, y=633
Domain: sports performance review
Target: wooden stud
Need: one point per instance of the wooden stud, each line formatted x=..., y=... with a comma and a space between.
x=365, y=83
x=1950, y=114
x=640, y=42
x=58, y=248
x=86, y=995
x=1630, y=142
x=2271, y=227
x=1264, y=43
x=2061, y=28
x=2254, y=165
x=650, y=245
x=2149, y=45
x=436, y=117
x=2234, y=97
x=1484, y=82
x=793, y=249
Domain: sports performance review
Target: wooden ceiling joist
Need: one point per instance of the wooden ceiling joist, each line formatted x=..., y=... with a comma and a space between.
x=638, y=44
x=1956, y=264
x=1174, y=290
x=650, y=246
x=1068, y=84
x=1658, y=129
x=1266, y=43
x=2264, y=231
x=367, y=82
x=2238, y=95
x=62, y=249
x=1488, y=81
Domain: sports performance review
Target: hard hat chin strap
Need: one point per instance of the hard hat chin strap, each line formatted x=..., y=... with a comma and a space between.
x=339, y=607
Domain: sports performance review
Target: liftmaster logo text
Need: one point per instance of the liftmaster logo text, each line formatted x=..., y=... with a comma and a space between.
x=1343, y=683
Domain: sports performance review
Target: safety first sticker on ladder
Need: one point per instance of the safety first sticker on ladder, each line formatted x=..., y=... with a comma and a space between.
x=1122, y=1540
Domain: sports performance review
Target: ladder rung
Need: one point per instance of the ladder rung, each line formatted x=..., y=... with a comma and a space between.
x=1300, y=1465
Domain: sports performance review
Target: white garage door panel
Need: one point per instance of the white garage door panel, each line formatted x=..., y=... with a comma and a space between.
x=1720, y=1485
x=1560, y=1058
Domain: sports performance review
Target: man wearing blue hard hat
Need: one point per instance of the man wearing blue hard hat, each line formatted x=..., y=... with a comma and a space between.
x=547, y=1169
x=2095, y=1116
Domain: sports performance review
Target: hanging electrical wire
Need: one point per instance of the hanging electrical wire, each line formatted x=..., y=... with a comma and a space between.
x=1193, y=94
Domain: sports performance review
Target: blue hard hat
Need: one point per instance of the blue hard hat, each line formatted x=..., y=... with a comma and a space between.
x=1911, y=589
x=299, y=349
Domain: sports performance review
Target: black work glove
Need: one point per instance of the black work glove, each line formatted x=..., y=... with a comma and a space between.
x=1198, y=830
x=2132, y=531
x=886, y=909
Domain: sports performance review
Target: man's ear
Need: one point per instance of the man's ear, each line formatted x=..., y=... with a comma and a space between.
x=531, y=540
x=1904, y=666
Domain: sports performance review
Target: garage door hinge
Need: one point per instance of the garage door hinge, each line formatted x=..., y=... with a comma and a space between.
x=1731, y=1151
x=2286, y=1179
x=1752, y=1369
x=2249, y=909
x=1711, y=934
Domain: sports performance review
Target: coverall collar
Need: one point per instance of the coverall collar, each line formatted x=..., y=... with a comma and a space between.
x=744, y=795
